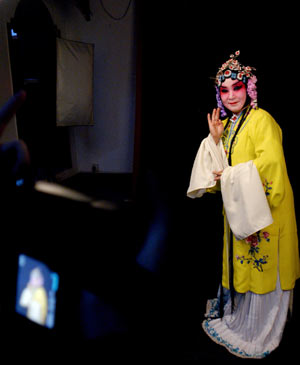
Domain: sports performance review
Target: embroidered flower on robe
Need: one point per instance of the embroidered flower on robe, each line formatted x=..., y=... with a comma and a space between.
x=267, y=186
x=254, y=240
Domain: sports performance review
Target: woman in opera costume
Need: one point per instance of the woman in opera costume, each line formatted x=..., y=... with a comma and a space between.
x=243, y=157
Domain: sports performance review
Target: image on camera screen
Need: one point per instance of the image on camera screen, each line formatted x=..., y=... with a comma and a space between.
x=37, y=286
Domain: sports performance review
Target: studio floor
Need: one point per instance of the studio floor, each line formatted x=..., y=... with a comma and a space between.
x=168, y=293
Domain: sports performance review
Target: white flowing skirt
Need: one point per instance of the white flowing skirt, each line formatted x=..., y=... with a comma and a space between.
x=255, y=327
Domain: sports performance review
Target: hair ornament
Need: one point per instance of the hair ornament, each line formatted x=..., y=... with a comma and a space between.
x=219, y=103
x=252, y=91
x=234, y=69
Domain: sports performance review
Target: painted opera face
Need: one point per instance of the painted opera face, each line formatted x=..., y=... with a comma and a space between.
x=233, y=95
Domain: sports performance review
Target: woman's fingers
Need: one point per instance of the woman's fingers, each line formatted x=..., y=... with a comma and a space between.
x=208, y=118
x=217, y=174
x=215, y=116
x=215, y=124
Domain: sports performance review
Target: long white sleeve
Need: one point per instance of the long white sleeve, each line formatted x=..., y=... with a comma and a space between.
x=210, y=157
x=244, y=199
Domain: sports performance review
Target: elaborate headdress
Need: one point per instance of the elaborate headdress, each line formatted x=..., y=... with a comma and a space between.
x=235, y=70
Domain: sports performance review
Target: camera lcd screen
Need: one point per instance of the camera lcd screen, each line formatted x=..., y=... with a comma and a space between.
x=37, y=286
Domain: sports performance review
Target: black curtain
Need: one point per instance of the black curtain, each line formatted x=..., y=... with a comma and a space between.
x=182, y=47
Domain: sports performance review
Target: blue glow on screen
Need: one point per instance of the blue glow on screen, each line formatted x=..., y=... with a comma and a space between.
x=13, y=34
x=20, y=182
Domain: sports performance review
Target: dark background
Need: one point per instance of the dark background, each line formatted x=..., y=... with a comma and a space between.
x=182, y=47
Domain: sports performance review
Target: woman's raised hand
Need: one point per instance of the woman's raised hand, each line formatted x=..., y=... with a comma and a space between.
x=215, y=125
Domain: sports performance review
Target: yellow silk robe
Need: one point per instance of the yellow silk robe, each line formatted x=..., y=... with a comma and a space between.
x=257, y=259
